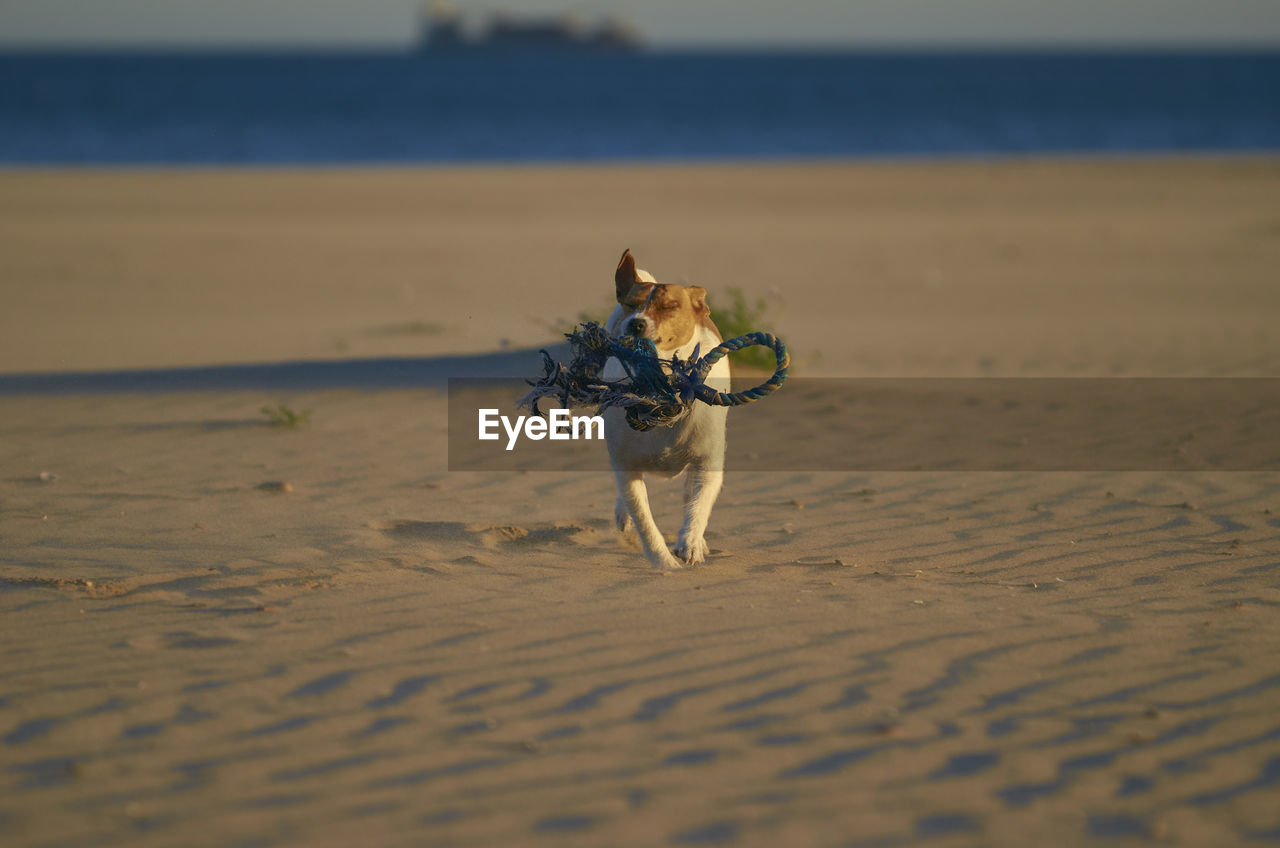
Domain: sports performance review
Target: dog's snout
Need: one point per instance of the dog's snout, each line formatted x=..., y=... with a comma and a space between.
x=636, y=327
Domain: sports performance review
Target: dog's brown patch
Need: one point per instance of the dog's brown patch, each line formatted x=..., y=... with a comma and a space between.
x=673, y=311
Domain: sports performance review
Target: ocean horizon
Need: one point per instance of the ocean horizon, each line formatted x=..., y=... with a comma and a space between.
x=476, y=106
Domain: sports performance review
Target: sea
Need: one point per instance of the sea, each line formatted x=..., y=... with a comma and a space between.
x=492, y=106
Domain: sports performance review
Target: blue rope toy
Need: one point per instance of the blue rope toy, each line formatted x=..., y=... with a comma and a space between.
x=657, y=392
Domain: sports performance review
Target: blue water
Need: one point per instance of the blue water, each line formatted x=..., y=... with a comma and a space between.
x=387, y=108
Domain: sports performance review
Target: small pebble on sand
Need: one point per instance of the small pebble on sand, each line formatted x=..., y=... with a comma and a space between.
x=275, y=486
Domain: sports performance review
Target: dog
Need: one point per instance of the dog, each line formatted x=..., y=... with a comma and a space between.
x=677, y=319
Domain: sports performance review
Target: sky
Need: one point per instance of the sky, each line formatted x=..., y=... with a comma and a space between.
x=664, y=23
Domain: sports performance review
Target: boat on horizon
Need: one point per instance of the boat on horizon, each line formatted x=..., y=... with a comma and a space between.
x=444, y=29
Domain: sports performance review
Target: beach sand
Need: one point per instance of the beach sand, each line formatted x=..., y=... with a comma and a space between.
x=386, y=652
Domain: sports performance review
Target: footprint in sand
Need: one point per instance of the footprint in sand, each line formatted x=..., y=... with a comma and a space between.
x=488, y=536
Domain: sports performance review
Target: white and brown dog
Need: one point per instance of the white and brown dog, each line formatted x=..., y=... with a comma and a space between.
x=678, y=320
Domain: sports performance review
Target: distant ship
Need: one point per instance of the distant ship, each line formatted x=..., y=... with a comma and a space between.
x=444, y=29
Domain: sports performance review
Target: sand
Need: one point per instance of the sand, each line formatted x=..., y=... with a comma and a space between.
x=386, y=652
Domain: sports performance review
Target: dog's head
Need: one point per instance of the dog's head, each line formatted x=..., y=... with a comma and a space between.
x=667, y=313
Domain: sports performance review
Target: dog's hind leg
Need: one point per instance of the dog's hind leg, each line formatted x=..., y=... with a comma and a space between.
x=636, y=496
x=701, y=488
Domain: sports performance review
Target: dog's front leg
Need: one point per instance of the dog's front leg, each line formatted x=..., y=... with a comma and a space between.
x=633, y=491
x=701, y=487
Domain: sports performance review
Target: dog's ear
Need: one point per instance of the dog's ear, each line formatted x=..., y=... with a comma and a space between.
x=626, y=276
x=698, y=297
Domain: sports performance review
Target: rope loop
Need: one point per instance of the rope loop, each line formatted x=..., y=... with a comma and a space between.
x=706, y=394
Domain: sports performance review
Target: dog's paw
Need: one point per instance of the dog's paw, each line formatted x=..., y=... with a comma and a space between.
x=669, y=564
x=627, y=527
x=663, y=561
x=622, y=518
x=692, y=551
